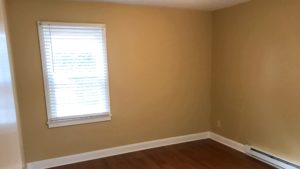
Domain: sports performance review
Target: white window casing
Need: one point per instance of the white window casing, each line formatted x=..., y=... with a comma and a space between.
x=75, y=72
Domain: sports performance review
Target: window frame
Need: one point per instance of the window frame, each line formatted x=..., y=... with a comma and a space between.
x=79, y=119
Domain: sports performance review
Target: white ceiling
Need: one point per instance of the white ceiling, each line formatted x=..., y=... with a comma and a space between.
x=192, y=4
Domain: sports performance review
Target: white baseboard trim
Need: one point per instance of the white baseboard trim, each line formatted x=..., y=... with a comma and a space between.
x=228, y=142
x=54, y=162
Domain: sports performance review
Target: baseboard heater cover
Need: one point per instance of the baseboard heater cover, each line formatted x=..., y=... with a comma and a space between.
x=270, y=159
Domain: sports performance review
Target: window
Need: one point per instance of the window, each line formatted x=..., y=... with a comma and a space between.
x=75, y=73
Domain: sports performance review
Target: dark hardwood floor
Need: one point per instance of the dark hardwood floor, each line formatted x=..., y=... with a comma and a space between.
x=204, y=154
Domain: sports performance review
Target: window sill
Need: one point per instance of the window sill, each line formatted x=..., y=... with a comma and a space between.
x=71, y=122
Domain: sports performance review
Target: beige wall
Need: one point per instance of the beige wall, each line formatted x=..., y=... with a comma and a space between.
x=10, y=138
x=256, y=75
x=159, y=67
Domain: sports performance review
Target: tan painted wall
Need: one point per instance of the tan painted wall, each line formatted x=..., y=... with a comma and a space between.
x=256, y=75
x=11, y=156
x=159, y=67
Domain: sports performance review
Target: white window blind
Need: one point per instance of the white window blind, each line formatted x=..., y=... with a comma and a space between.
x=75, y=72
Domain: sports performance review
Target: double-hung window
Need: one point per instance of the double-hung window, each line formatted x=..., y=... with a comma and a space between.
x=75, y=73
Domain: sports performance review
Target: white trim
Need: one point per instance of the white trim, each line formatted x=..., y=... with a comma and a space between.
x=44, y=63
x=84, y=120
x=246, y=150
x=228, y=142
x=54, y=162
x=98, y=25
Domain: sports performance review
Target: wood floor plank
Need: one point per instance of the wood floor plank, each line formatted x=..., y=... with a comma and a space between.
x=203, y=154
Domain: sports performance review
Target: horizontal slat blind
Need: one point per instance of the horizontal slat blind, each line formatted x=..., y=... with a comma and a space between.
x=75, y=70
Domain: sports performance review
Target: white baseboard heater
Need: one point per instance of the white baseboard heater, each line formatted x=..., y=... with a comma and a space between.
x=270, y=159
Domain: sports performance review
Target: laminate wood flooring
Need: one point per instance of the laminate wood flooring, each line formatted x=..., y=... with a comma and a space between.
x=203, y=154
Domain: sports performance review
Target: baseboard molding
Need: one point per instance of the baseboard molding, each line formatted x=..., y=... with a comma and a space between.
x=54, y=162
x=228, y=142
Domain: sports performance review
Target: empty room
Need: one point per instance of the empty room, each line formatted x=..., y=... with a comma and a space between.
x=149, y=84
